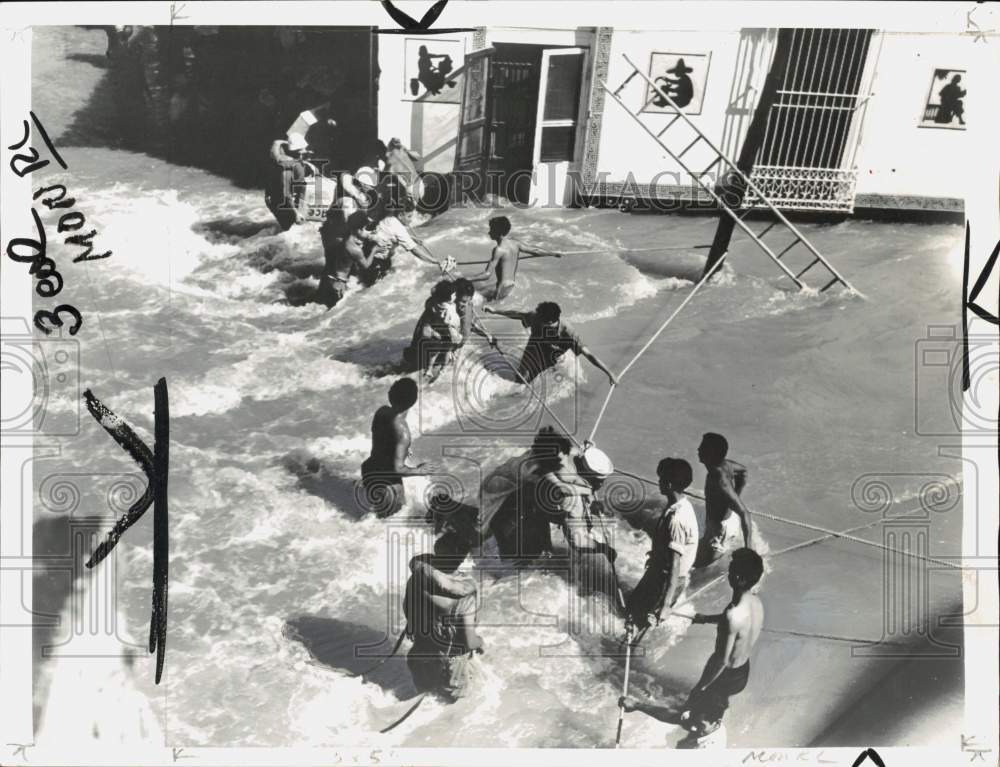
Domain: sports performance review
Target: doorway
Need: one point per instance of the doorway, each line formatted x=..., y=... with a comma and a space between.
x=512, y=142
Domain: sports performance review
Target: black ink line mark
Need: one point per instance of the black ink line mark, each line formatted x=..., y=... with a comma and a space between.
x=410, y=24
x=869, y=753
x=175, y=12
x=969, y=298
x=155, y=465
x=984, y=276
x=47, y=140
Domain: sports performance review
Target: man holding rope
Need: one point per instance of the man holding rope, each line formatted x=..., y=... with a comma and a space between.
x=728, y=668
x=550, y=339
x=505, y=258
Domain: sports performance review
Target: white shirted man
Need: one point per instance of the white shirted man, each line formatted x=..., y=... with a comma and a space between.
x=674, y=547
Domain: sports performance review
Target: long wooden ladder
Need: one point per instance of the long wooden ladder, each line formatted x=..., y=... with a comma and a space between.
x=720, y=157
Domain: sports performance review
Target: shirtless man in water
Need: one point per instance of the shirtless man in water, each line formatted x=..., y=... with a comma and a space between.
x=728, y=668
x=725, y=512
x=383, y=471
x=505, y=257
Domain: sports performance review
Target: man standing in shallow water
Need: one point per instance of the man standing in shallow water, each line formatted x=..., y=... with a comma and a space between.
x=505, y=257
x=725, y=512
x=383, y=471
x=728, y=668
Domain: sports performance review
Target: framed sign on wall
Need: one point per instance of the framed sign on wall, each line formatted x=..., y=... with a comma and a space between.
x=682, y=76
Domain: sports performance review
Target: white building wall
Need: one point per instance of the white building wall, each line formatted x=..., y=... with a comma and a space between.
x=896, y=158
x=900, y=164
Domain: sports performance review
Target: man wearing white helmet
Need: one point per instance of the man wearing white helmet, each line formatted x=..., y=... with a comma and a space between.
x=569, y=494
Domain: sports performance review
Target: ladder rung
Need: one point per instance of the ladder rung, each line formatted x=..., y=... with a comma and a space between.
x=698, y=138
x=716, y=162
x=627, y=81
x=811, y=265
x=767, y=229
x=790, y=245
x=830, y=284
x=667, y=126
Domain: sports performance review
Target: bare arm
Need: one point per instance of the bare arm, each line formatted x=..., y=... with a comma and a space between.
x=510, y=314
x=531, y=251
x=598, y=364
x=449, y=585
x=673, y=581
x=736, y=503
x=423, y=254
x=402, y=435
x=487, y=270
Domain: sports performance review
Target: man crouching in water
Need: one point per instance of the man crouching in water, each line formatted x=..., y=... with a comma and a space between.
x=440, y=610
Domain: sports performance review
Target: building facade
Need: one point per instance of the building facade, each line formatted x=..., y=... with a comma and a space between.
x=861, y=118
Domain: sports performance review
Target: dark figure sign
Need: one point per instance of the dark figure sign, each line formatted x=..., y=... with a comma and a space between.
x=679, y=87
x=432, y=77
x=951, y=104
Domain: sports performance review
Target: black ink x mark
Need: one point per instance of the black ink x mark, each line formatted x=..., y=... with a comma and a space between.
x=155, y=466
x=410, y=24
x=869, y=753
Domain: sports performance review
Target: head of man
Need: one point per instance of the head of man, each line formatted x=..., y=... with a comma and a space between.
x=403, y=394
x=442, y=294
x=547, y=315
x=713, y=449
x=745, y=569
x=551, y=449
x=674, y=474
x=464, y=290
x=499, y=227
x=357, y=223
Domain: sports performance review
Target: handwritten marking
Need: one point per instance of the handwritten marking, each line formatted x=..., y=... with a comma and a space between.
x=410, y=24
x=155, y=465
x=974, y=747
x=969, y=298
x=22, y=749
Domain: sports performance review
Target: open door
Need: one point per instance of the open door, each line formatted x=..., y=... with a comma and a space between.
x=474, y=147
x=561, y=112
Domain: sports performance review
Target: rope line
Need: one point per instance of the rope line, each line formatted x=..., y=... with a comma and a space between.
x=827, y=533
x=649, y=343
x=660, y=249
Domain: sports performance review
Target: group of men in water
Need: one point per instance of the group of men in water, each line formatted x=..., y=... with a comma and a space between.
x=558, y=483
x=554, y=482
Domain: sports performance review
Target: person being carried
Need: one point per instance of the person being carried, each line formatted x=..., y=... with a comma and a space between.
x=284, y=187
x=550, y=338
x=402, y=162
x=465, y=294
x=674, y=547
x=505, y=257
x=728, y=668
x=345, y=255
x=437, y=334
x=383, y=471
x=723, y=484
x=440, y=610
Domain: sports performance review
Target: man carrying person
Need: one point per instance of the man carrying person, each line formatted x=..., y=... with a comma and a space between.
x=723, y=484
x=383, y=471
x=567, y=494
x=674, y=547
x=728, y=668
x=505, y=257
x=345, y=255
x=437, y=334
x=550, y=339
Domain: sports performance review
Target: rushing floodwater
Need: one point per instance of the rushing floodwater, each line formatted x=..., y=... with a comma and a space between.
x=271, y=405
